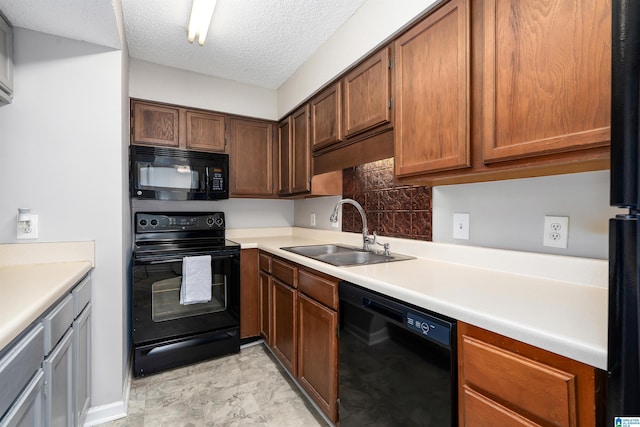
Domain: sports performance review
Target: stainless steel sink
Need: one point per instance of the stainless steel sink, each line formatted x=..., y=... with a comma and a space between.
x=344, y=255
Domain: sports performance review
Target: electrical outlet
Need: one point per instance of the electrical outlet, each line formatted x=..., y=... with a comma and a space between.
x=556, y=231
x=312, y=220
x=30, y=232
x=461, y=226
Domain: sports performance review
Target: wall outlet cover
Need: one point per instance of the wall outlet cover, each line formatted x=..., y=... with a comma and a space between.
x=31, y=233
x=461, y=226
x=556, y=231
x=312, y=219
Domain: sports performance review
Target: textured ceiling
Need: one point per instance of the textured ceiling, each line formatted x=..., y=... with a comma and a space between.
x=93, y=21
x=260, y=42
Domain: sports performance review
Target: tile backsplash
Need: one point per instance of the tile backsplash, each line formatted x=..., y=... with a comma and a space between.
x=392, y=210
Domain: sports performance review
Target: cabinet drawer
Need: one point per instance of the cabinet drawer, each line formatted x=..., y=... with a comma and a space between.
x=516, y=381
x=321, y=288
x=284, y=271
x=81, y=296
x=265, y=262
x=480, y=410
x=57, y=322
x=19, y=365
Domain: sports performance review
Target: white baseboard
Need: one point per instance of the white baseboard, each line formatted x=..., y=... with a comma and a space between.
x=111, y=411
x=104, y=413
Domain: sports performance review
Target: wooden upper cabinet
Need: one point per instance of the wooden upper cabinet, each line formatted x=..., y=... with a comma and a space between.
x=178, y=127
x=301, y=155
x=546, y=77
x=251, y=157
x=326, y=117
x=367, y=94
x=284, y=157
x=155, y=124
x=431, y=92
x=205, y=131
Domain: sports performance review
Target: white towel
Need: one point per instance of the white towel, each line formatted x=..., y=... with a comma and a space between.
x=196, y=280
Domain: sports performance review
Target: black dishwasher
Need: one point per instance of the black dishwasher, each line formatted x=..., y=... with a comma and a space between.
x=397, y=362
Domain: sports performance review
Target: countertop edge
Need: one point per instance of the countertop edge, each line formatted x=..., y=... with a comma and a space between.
x=593, y=354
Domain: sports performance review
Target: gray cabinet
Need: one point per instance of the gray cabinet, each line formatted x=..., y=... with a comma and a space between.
x=82, y=364
x=45, y=377
x=19, y=366
x=6, y=61
x=58, y=383
x=28, y=410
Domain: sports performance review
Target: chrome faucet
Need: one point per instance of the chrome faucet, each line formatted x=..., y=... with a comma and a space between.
x=366, y=238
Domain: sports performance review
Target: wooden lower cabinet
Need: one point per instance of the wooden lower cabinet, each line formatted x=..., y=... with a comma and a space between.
x=249, y=294
x=264, y=285
x=283, y=326
x=299, y=323
x=318, y=353
x=503, y=382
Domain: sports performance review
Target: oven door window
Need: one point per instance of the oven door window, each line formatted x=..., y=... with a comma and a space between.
x=170, y=177
x=165, y=299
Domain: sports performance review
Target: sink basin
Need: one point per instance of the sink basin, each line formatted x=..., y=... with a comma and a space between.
x=344, y=255
x=315, y=250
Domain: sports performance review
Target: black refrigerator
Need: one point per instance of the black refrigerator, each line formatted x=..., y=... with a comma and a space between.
x=623, y=385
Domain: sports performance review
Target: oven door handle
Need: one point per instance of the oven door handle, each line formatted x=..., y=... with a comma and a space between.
x=179, y=259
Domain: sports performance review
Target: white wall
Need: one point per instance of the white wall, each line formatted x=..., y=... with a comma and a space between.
x=239, y=213
x=374, y=22
x=321, y=206
x=61, y=154
x=165, y=84
x=510, y=214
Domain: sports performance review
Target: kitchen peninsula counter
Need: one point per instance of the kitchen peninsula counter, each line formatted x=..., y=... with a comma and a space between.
x=33, y=277
x=556, y=303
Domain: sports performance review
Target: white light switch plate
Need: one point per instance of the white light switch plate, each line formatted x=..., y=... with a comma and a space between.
x=461, y=226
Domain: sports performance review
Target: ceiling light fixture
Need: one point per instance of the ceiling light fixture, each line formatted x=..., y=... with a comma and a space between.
x=201, y=14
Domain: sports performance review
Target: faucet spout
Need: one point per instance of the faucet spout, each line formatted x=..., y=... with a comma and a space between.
x=366, y=240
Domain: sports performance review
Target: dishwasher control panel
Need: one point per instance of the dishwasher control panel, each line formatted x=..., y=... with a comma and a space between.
x=429, y=326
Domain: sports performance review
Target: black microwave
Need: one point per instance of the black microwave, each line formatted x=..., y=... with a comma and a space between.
x=160, y=173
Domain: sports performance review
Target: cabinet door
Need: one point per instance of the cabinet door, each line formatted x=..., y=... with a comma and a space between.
x=265, y=307
x=82, y=365
x=546, y=78
x=432, y=81
x=367, y=94
x=249, y=294
x=318, y=353
x=205, y=131
x=284, y=157
x=155, y=124
x=6, y=61
x=28, y=409
x=283, y=326
x=251, y=158
x=301, y=144
x=326, y=117
x=58, y=373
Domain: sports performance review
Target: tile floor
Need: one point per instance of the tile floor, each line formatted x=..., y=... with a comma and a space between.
x=249, y=388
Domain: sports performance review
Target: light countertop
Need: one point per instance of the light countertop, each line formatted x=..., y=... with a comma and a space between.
x=33, y=277
x=556, y=303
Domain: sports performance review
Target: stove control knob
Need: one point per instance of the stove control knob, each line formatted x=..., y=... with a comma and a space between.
x=219, y=221
x=143, y=222
x=210, y=221
x=154, y=222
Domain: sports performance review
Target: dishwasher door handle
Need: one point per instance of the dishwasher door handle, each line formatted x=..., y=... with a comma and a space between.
x=383, y=310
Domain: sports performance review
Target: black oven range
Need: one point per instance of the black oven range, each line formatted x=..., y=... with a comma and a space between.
x=173, y=254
